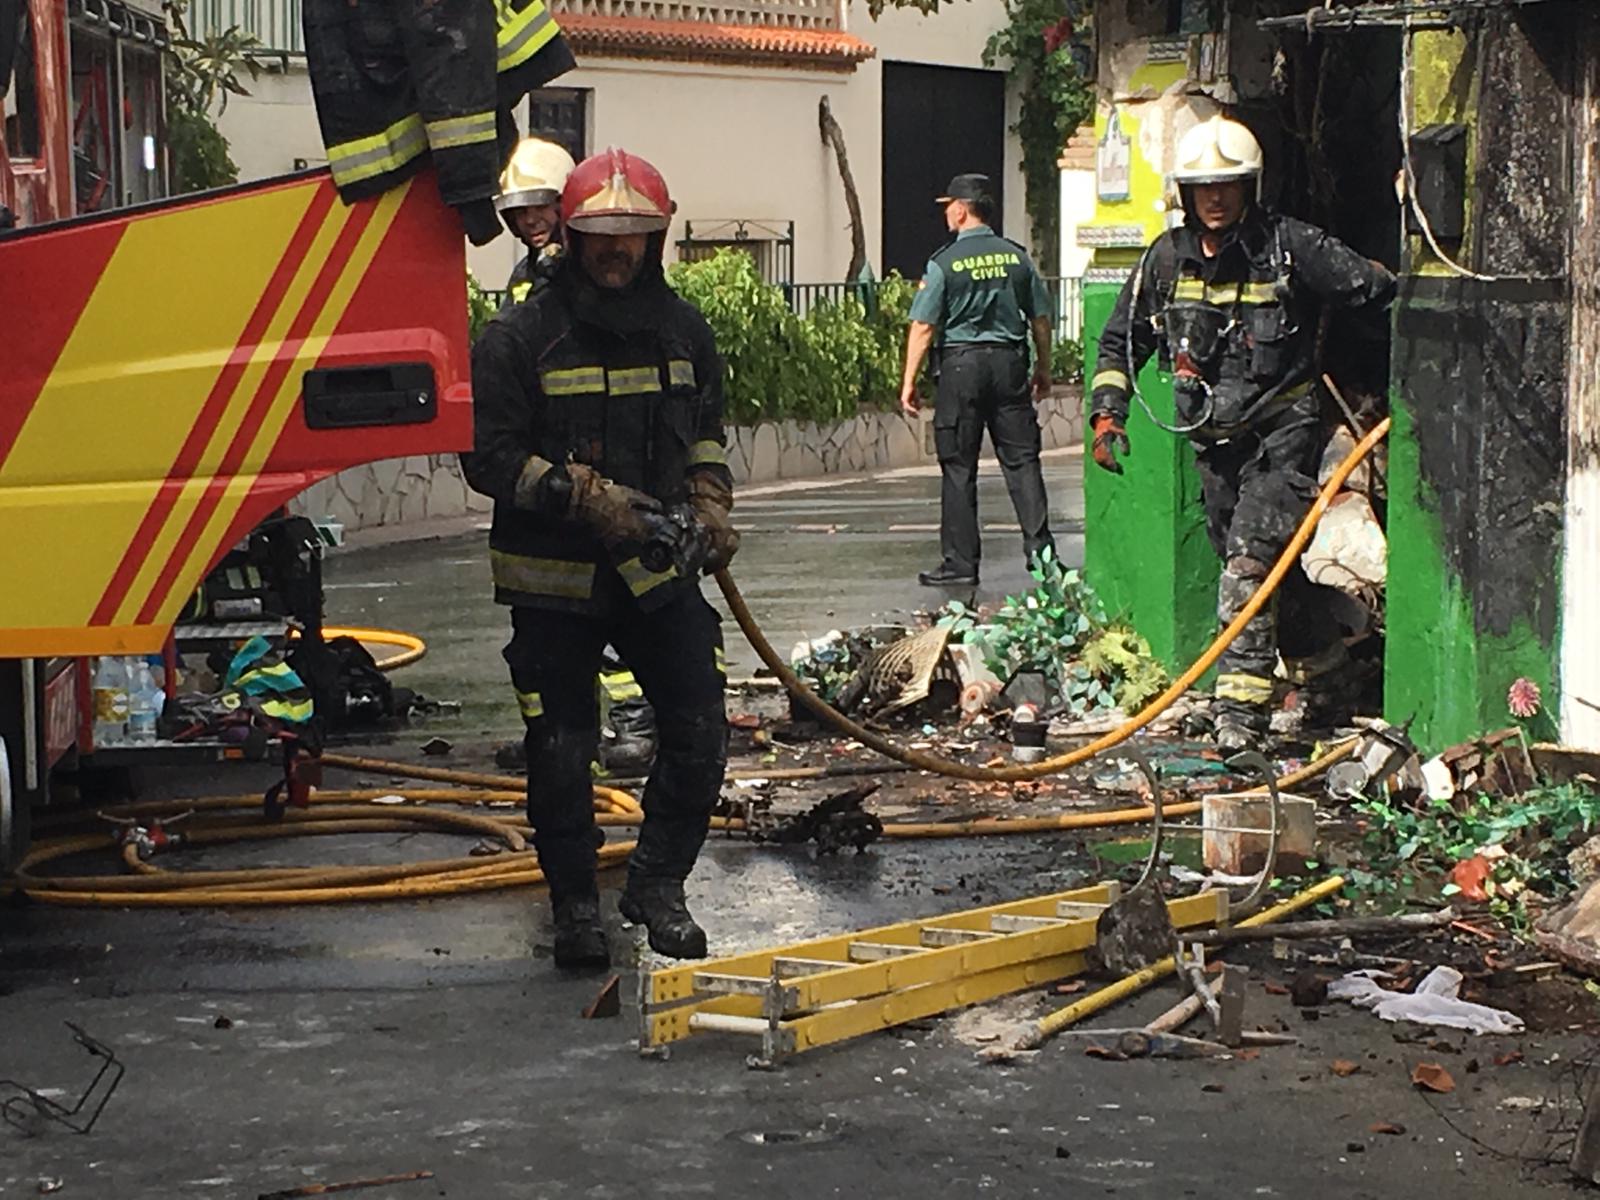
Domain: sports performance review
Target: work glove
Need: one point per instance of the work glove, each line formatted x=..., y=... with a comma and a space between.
x=613, y=512
x=712, y=501
x=1110, y=439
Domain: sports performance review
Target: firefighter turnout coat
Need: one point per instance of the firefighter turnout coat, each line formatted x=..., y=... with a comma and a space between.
x=553, y=382
x=1238, y=330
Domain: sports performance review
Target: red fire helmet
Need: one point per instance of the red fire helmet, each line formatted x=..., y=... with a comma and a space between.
x=616, y=192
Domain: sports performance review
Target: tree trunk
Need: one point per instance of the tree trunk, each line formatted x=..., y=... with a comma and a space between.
x=834, y=136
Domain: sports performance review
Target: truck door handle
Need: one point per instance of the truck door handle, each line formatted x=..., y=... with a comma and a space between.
x=386, y=394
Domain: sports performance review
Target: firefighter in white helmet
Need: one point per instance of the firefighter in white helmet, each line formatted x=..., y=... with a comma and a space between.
x=530, y=204
x=1231, y=300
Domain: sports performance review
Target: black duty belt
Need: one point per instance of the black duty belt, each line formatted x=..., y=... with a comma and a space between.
x=968, y=347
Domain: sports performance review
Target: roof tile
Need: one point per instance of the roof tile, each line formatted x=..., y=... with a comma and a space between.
x=639, y=37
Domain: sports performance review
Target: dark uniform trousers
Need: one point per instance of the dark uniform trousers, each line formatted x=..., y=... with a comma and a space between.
x=1256, y=487
x=675, y=652
x=986, y=386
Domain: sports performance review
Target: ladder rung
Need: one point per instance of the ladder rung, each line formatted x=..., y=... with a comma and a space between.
x=937, y=936
x=1079, y=910
x=724, y=1023
x=1010, y=924
x=806, y=966
x=731, y=985
x=877, y=951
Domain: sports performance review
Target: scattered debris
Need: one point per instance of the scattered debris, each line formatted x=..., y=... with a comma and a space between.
x=1572, y=933
x=1387, y=1128
x=437, y=745
x=222, y=1023
x=1432, y=1077
x=607, y=1002
x=29, y=1107
x=1409, y=923
x=1308, y=990
x=1121, y=1044
x=50, y=1186
x=328, y=1189
x=833, y=823
x=1344, y=1067
x=1238, y=838
x=1436, y=1002
x=1134, y=931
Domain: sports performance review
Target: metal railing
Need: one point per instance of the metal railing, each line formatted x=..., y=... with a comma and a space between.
x=275, y=23
x=781, y=14
x=1066, y=298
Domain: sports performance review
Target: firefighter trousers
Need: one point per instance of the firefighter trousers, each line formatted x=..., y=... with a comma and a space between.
x=675, y=652
x=986, y=386
x=1257, y=488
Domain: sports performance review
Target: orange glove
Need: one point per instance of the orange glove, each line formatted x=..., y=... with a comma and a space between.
x=1110, y=439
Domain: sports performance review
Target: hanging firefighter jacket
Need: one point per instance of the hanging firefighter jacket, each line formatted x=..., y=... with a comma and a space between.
x=397, y=82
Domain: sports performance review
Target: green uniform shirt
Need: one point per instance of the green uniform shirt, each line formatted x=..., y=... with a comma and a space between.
x=981, y=288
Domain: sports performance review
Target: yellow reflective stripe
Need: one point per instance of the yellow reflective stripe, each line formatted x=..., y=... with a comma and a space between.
x=519, y=292
x=1245, y=689
x=287, y=710
x=542, y=576
x=523, y=34
x=1225, y=293
x=461, y=131
x=575, y=381
x=640, y=579
x=680, y=372
x=1111, y=379
x=719, y=659
x=633, y=381
x=708, y=454
x=378, y=154
x=531, y=704
x=621, y=688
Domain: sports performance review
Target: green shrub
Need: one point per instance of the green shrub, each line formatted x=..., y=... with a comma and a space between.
x=823, y=367
x=1066, y=361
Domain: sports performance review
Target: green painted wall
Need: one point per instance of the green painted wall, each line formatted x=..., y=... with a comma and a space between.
x=1447, y=667
x=1145, y=538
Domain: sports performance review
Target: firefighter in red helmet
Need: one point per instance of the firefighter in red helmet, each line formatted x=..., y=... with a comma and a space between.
x=599, y=436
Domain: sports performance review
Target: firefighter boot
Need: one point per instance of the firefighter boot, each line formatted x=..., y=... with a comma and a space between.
x=630, y=745
x=580, y=935
x=659, y=906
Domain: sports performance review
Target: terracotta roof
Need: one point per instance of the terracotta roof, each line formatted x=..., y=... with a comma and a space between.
x=639, y=37
x=1079, y=153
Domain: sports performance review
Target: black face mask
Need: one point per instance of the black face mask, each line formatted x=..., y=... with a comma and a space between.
x=630, y=309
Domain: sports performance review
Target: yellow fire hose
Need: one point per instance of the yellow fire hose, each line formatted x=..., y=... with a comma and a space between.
x=149, y=886
x=411, y=646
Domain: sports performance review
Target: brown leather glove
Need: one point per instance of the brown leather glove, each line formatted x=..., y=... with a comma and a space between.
x=615, y=513
x=1110, y=439
x=712, y=501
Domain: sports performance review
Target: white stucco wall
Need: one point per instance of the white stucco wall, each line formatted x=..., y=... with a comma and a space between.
x=1077, y=208
x=732, y=141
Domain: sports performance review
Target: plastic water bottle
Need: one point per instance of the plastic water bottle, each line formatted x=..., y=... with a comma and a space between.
x=110, y=701
x=144, y=702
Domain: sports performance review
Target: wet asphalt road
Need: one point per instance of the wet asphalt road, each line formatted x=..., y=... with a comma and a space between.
x=364, y=1041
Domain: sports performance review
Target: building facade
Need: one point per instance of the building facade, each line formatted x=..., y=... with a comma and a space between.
x=1492, y=110
x=724, y=98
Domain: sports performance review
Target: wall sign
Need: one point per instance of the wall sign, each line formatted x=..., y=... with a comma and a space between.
x=1113, y=160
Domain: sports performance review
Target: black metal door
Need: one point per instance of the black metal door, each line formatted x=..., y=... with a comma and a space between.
x=937, y=122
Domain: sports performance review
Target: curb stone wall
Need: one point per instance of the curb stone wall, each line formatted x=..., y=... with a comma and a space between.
x=399, y=491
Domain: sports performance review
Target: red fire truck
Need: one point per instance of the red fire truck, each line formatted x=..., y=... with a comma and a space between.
x=175, y=369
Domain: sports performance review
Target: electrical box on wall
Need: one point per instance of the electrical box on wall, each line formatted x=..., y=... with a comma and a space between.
x=1439, y=165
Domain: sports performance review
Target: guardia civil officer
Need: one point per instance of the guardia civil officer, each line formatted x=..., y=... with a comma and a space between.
x=598, y=411
x=980, y=298
x=1230, y=300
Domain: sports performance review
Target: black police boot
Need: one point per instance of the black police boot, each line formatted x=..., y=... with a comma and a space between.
x=633, y=748
x=580, y=935
x=945, y=575
x=658, y=905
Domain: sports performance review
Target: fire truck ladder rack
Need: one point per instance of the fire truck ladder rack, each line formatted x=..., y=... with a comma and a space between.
x=811, y=994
